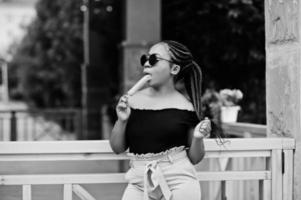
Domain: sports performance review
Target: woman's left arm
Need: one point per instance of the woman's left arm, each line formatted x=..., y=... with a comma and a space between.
x=196, y=140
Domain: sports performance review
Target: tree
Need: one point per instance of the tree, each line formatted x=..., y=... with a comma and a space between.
x=46, y=67
x=227, y=39
x=46, y=70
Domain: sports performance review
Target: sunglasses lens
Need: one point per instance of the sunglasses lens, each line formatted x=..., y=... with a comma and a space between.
x=152, y=59
x=143, y=60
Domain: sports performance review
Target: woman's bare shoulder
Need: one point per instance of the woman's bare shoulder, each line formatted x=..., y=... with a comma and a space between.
x=183, y=102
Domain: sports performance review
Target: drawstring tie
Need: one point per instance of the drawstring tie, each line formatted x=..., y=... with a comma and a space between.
x=154, y=180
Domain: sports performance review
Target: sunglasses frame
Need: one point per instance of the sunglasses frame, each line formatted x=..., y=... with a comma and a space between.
x=152, y=59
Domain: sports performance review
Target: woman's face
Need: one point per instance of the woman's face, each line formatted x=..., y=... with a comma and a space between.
x=161, y=71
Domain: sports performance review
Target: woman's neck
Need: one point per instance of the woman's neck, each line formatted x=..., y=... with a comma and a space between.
x=163, y=90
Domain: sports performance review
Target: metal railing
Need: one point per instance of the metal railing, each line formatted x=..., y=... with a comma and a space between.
x=243, y=130
x=46, y=124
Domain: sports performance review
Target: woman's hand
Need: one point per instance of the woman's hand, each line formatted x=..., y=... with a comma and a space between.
x=123, y=109
x=203, y=129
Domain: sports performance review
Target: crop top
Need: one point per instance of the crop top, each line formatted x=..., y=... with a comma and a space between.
x=155, y=131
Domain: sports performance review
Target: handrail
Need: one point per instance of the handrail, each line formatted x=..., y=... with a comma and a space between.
x=103, y=146
x=41, y=124
x=241, y=129
x=275, y=180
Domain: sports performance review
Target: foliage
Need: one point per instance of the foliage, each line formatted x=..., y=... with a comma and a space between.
x=227, y=39
x=211, y=108
x=230, y=97
x=46, y=68
x=213, y=103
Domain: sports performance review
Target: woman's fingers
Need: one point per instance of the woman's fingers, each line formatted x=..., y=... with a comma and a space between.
x=205, y=126
x=124, y=99
x=122, y=109
x=123, y=103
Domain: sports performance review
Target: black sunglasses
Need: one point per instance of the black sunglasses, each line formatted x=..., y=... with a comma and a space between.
x=152, y=59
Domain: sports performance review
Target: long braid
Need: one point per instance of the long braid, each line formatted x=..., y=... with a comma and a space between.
x=191, y=74
x=196, y=87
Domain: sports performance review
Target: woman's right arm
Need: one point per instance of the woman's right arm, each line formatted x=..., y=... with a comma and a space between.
x=117, y=140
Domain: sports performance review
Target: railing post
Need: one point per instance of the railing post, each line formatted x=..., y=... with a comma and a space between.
x=276, y=174
x=13, y=126
x=223, y=190
x=67, y=191
x=267, y=190
x=265, y=186
x=288, y=174
x=26, y=192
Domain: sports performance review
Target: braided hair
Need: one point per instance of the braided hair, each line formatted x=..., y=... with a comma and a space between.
x=191, y=74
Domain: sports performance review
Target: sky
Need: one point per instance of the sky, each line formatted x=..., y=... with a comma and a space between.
x=15, y=15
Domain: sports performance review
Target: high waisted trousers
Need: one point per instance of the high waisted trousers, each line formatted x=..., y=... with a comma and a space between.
x=165, y=176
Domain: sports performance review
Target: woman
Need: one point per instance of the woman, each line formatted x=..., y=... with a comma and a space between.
x=161, y=127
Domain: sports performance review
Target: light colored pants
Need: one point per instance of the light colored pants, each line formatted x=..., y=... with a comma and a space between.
x=167, y=176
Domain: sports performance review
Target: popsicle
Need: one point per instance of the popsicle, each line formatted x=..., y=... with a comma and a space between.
x=139, y=85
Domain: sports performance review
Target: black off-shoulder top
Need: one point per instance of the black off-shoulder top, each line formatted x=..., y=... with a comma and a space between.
x=155, y=131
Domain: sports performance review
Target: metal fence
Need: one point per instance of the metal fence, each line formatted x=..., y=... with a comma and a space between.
x=46, y=124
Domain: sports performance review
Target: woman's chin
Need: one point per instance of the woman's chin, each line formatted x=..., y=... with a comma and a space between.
x=150, y=83
x=153, y=84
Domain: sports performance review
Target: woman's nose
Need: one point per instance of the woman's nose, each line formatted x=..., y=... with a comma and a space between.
x=147, y=65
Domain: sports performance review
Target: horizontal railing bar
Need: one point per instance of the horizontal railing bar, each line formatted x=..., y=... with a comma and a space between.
x=234, y=175
x=119, y=178
x=63, y=157
x=238, y=154
x=111, y=156
x=239, y=128
x=46, y=110
x=103, y=146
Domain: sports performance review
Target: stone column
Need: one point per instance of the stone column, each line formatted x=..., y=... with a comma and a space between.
x=142, y=29
x=283, y=67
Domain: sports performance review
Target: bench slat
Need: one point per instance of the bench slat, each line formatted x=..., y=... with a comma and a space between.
x=119, y=178
x=111, y=156
x=103, y=146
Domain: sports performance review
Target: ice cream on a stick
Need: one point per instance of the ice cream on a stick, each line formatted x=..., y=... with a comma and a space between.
x=139, y=85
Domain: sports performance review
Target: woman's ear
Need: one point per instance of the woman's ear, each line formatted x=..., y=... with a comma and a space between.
x=175, y=69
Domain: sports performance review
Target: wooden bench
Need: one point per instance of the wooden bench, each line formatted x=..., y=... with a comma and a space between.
x=275, y=181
